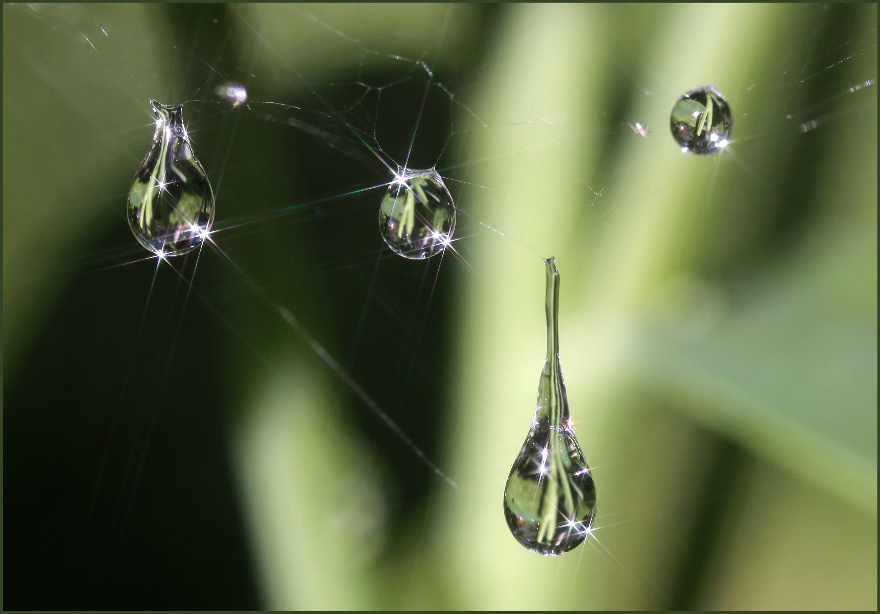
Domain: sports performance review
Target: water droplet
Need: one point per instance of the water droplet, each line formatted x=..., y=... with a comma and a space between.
x=232, y=92
x=550, y=497
x=701, y=121
x=417, y=216
x=170, y=204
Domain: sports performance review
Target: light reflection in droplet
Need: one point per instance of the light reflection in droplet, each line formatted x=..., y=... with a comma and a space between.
x=550, y=496
x=234, y=93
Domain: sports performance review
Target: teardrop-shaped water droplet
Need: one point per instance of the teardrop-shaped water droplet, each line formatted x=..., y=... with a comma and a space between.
x=417, y=216
x=170, y=204
x=701, y=121
x=550, y=497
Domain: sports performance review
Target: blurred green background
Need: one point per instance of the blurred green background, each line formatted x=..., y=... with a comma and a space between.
x=185, y=448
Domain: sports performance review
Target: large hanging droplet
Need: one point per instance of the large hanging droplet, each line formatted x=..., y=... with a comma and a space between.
x=417, y=216
x=170, y=204
x=701, y=121
x=550, y=497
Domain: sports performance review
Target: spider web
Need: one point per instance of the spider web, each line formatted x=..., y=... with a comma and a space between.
x=298, y=278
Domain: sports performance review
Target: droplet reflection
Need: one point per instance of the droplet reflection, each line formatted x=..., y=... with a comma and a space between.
x=550, y=496
x=417, y=216
x=170, y=203
x=701, y=120
x=232, y=92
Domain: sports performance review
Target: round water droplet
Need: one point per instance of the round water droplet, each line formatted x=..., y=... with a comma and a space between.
x=550, y=496
x=170, y=204
x=232, y=92
x=701, y=121
x=417, y=216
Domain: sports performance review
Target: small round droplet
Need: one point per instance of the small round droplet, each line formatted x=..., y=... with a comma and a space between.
x=550, y=496
x=701, y=121
x=171, y=203
x=232, y=92
x=417, y=216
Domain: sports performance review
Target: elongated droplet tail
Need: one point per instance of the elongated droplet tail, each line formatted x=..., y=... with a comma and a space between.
x=550, y=496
